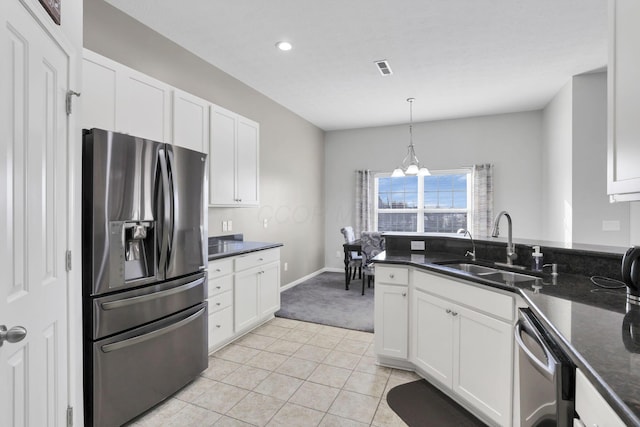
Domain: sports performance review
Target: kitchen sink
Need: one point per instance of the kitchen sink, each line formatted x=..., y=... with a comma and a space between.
x=508, y=276
x=490, y=273
x=472, y=268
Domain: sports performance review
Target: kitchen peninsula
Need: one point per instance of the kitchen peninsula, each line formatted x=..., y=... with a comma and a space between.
x=594, y=326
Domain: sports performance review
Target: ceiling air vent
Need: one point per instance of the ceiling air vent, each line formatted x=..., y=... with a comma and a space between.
x=383, y=67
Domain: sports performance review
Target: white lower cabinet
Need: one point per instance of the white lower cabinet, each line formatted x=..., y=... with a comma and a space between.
x=244, y=291
x=257, y=294
x=247, y=285
x=458, y=336
x=591, y=406
x=269, y=289
x=482, y=363
x=432, y=340
x=391, y=318
x=467, y=351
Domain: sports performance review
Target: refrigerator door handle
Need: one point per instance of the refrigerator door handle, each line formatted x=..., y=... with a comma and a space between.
x=112, y=305
x=172, y=205
x=166, y=198
x=141, y=338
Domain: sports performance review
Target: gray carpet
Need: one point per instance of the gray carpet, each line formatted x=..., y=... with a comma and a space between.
x=323, y=299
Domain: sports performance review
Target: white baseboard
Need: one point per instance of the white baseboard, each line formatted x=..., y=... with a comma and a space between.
x=309, y=276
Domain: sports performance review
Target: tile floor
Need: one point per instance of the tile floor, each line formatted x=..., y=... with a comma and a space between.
x=287, y=373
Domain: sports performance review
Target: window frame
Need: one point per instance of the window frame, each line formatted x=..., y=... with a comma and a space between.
x=420, y=211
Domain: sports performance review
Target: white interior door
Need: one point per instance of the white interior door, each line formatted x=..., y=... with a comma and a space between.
x=33, y=213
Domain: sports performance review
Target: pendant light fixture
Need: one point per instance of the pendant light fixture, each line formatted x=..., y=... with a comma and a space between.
x=410, y=164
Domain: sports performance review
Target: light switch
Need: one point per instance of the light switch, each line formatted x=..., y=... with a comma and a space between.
x=230, y=225
x=224, y=225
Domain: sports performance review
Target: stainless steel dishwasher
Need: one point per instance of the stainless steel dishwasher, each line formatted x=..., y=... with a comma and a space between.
x=547, y=376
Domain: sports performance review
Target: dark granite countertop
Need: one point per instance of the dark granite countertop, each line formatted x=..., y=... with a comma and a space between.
x=593, y=325
x=227, y=246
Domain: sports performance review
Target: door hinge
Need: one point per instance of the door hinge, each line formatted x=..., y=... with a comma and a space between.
x=69, y=416
x=67, y=260
x=70, y=93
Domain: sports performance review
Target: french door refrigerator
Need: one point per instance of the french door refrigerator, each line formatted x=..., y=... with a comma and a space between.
x=144, y=216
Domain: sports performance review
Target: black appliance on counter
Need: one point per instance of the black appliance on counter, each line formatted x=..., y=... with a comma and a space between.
x=144, y=282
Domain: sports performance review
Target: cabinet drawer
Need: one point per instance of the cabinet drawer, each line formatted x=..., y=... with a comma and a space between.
x=392, y=275
x=220, y=267
x=220, y=301
x=486, y=300
x=218, y=286
x=255, y=259
x=220, y=326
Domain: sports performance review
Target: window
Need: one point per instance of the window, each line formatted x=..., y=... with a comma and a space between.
x=439, y=203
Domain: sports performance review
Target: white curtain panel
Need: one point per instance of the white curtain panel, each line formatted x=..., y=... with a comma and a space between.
x=482, y=199
x=364, y=208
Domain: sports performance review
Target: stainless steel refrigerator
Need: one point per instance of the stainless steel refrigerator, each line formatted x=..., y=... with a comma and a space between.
x=144, y=216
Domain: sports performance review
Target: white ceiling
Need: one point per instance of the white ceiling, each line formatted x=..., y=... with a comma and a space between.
x=458, y=58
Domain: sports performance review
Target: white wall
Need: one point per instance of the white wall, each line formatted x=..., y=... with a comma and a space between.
x=556, y=207
x=510, y=141
x=574, y=167
x=634, y=224
x=590, y=201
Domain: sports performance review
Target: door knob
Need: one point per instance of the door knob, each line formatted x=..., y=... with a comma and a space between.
x=15, y=334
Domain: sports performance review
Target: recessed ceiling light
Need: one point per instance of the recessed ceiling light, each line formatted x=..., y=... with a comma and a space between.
x=284, y=46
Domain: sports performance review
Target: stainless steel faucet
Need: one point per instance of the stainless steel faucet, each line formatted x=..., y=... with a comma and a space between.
x=511, y=253
x=465, y=232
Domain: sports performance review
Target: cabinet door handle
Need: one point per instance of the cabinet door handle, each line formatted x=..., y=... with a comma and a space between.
x=448, y=311
x=217, y=326
x=454, y=313
x=218, y=270
x=218, y=303
x=404, y=294
x=391, y=276
x=218, y=287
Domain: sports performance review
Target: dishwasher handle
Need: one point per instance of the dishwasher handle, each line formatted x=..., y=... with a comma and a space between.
x=548, y=370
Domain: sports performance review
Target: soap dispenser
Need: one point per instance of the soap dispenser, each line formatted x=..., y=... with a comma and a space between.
x=536, y=259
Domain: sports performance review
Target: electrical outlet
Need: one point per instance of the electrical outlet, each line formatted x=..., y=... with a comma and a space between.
x=286, y=266
x=229, y=225
x=338, y=254
x=224, y=226
x=265, y=223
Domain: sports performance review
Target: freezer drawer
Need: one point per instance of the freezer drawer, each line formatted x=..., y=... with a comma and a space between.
x=135, y=370
x=125, y=310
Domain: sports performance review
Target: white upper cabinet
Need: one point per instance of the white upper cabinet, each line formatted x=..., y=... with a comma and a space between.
x=115, y=97
x=248, y=152
x=623, y=153
x=99, y=76
x=190, y=121
x=120, y=99
x=143, y=106
x=234, y=159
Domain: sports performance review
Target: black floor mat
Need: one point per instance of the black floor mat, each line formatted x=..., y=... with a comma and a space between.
x=420, y=404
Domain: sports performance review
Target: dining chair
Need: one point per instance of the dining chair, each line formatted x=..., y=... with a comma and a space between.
x=372, y=245
x=355, y=259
